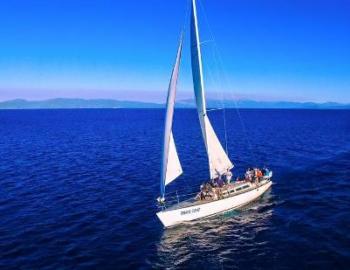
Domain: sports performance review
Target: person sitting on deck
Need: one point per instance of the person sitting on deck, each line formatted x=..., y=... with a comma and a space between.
x=249, y=175
x=267, y=173
x=220, y=182
x=258, y=174
x=206, y=192
x=227, y=177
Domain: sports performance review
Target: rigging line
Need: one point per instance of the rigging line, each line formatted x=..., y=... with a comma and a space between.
x=215, y=83
x=234, y=99
x=206, y=41
x=227, y=80
x=225, y=128
x=218, y=92
x=222, y=99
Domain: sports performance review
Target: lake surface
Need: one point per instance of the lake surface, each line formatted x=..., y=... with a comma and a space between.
x=78, y=191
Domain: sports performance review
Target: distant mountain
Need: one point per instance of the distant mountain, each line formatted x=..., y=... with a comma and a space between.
x=290, y=105
x=66, y=103
x=252, y=104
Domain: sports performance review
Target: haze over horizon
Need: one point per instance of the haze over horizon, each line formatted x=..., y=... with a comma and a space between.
x=271, y=51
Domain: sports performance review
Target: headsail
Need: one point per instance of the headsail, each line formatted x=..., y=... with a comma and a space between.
x=174, y=168
x=171, y=167
x=219, y=162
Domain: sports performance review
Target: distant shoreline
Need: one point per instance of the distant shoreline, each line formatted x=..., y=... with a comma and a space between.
x=69, y=104
x=161, y=109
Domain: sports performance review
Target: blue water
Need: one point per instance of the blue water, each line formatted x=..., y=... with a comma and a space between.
x=78, y=190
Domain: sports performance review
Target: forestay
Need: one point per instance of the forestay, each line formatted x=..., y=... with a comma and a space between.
x=171, y=167
x=219, y=163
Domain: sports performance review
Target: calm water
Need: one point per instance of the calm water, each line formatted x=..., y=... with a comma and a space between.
x=78, y=190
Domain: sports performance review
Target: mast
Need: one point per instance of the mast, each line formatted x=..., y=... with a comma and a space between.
x=171, y=167
x=219, y=163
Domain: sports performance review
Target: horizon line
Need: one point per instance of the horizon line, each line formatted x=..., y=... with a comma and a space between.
x=186, y=100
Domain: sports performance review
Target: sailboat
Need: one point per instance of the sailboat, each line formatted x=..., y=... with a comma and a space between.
x=219, y=194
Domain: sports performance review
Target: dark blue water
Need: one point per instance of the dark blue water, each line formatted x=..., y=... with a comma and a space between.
x=78, y=190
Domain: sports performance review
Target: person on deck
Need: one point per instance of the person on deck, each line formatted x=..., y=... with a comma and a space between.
x=259, y=174
x=220, y=182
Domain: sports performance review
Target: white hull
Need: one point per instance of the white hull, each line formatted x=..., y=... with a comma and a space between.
x=177, y=216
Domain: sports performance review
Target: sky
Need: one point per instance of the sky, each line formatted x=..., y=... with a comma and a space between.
x=292, y=50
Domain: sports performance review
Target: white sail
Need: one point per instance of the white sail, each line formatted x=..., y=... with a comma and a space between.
x=171, y=167
x=219, y=162
x=231, y=195
x=174, y=169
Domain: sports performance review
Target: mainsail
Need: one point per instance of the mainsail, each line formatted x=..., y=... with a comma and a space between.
x=219, y=163
x=171, y=167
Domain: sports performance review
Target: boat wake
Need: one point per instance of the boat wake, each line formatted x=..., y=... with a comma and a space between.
x=229, y=232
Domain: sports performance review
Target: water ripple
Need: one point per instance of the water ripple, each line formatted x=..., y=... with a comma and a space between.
x=78, y=189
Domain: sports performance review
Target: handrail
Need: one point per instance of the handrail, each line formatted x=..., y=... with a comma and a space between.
x=173, y=200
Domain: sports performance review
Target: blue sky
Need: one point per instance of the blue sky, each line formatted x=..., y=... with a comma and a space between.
x=267, y=50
